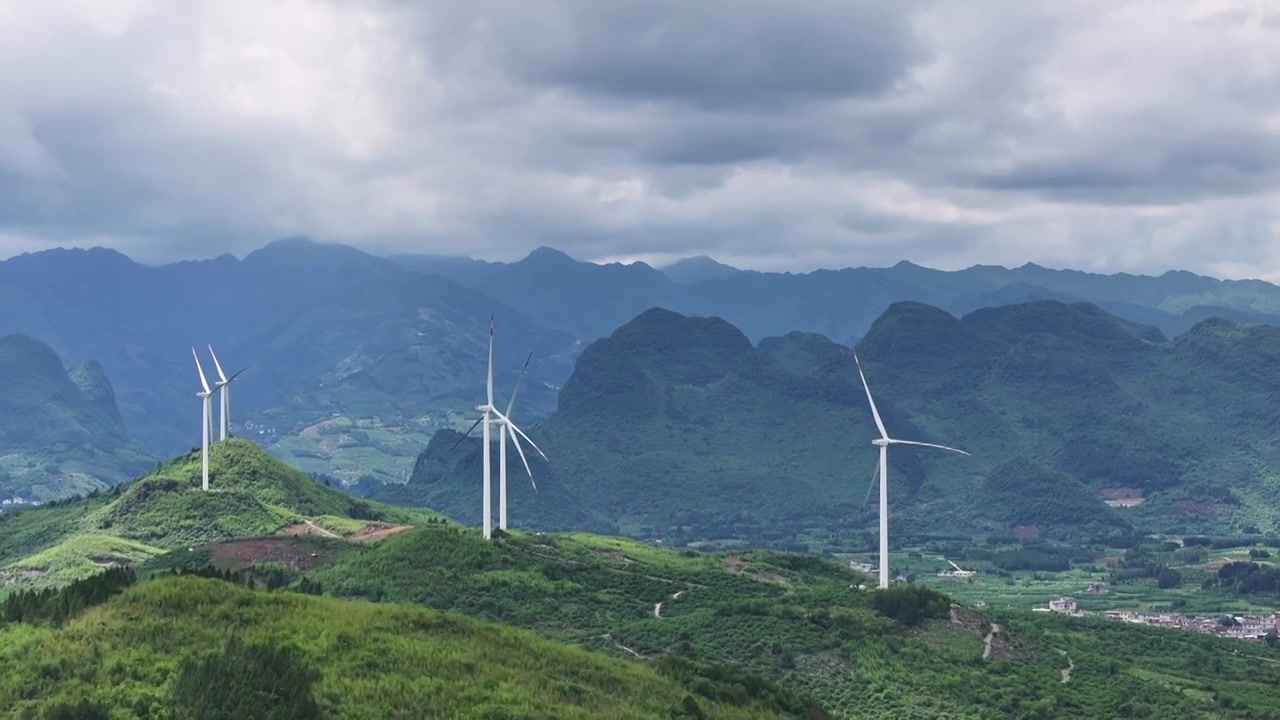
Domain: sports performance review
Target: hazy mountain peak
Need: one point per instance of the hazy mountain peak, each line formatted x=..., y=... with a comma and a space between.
x=96, y=388
x=22, y=355
x=544, y=255
x=690, y=270
x=74, y=260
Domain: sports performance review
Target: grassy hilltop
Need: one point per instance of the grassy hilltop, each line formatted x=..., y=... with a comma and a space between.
x=250, y=495
x=157, y=650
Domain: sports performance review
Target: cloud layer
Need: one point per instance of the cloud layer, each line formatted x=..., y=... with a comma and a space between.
x=1140, y=136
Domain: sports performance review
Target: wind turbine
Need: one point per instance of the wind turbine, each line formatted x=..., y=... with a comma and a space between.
x=205, y=412
x=485, y=410
x=504, y=422
x=883, y=442
x=489, y=415
x=224, y=393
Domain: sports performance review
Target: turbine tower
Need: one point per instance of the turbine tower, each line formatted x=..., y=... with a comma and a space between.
x=485, y=411
x=883, y=442
x=224, y=393
x=490, y=415
x=205, y=412
x=504, y=422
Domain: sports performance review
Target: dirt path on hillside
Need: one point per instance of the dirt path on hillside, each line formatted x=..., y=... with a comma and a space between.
x=986, y=642
x=1066, y=671
x=322, y=531
x=657, y=608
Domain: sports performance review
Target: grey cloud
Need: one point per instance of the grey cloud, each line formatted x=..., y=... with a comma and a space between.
x=713, y=52
x=771, y=133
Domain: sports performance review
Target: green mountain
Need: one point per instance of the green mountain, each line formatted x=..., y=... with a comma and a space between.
x=191, y=648
x=679, y=428
x=59, y=430
x=797, y=620
x=250, y=495
x=353, y=361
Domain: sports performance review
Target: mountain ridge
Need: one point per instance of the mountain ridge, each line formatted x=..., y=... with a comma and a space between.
x=679, y=425
x=58, y=427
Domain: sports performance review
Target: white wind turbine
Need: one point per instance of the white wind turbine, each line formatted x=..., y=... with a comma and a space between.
x=205, y=412
x=486, y=411
x=883, y=442
x=504, y=422
x=224, y=393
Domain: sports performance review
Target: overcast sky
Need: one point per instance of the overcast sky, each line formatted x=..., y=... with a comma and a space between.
x=772, y=134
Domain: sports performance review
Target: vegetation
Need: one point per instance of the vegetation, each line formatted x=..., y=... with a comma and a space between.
x=325, y=329
x=355, y=361
x=1083, y=427
x=801, y=621
x=60, y=431
x=179, y=648
x=250, y=495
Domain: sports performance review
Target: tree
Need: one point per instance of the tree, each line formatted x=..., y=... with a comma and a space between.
x=246, y=681
x=1168, y=578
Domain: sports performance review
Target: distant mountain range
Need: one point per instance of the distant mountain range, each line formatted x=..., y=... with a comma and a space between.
x=1080, y=423
x=60, y=430
x=591, y=300
x=354, y=361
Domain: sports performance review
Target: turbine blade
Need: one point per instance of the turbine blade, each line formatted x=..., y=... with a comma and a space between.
x=924, y=444
x=233, y=377
x=204, y=383
x=519, y=380
x=217, y=366
x=516, y=441
x=875, y=475
x=528, y=439
x=874, y=412
x=489, y=386
x=466, y=434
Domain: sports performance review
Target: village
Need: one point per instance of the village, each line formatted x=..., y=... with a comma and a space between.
x=1239, y=627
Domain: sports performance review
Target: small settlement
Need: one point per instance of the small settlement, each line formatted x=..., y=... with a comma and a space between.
x=1240, y=627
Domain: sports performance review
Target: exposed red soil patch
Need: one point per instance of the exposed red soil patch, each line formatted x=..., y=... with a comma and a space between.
x=374, y=532
x=306, y=528
x=735, y=563
x=288, y=551
x=316, y=429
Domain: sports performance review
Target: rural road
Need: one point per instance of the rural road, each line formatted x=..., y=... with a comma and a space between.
x=986, y=642
x=1066, y=671
x=657, y=608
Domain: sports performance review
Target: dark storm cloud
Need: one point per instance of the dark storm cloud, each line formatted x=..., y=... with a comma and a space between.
x=1138, y=135
x=713, y=52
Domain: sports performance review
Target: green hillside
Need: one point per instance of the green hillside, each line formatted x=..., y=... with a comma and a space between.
x=800, y=621
x=250, y=495
x=189, y=648
x=679, y=428
x=60, y=430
